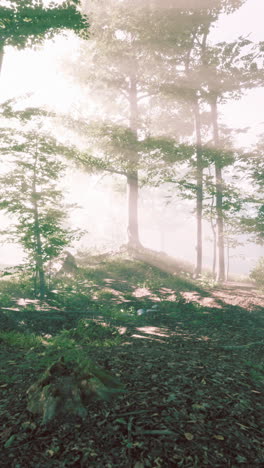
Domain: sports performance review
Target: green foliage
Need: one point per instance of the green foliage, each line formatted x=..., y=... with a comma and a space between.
x=88, y=331
x=20, y=340
x=257, y=274
x=257, y=371
x=28, y=22
x=254, y=225
x=29, y=194
x=70, y=293
x=218, y=349
x=207, y=281
x=5, y=300
x=19, y=285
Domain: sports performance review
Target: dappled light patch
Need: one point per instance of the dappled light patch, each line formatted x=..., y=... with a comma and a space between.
x=191, y=296
x=157, y=331
x=145, y=337
x=108, y=293
x=241, y=296
x=166, y=290
x=203, y=338
x=122, y=330
x=145, y=292
x=109, y=280
x=34, y=304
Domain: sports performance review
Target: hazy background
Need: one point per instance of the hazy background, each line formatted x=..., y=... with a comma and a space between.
x=167, y=227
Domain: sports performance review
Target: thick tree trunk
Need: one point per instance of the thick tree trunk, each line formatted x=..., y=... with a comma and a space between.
x=40, y=274
x=132, y=176
x=219, y=194
x=199, y=188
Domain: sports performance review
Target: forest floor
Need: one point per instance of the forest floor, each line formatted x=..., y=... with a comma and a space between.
x=193, y=372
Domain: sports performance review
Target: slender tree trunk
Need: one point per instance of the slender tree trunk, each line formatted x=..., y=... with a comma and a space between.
x=132, y=176
x=1, y=58
x=39, y=256
x=219, y=194
x=199, y=160
x=199, y=188
x=228, y=258
x=213, y=227
x=35, y=282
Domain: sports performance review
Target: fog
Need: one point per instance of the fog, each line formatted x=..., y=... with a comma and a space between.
x=83, y=80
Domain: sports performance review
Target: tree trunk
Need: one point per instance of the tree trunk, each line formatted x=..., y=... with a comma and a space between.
x=213, y=226
x=132, y=229
x=1, y=58
x=132, y=176
x=40, y=274
x=219, y=194
x=199, y=188
x=228, y=258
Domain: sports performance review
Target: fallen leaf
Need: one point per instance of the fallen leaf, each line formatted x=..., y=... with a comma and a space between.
x=218, y=437
x=10, y=441
x=50, y=453
x=188, y=436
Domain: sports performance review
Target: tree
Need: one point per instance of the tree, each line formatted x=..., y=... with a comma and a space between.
x=127, y=63
x=230, y=70
x=139, y=52
x=185, y=81
x=29, y=195
x=252, y=221
x=25, y=23
x=257, y=274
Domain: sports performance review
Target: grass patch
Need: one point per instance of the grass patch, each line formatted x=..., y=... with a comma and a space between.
x=193, y=375
x=20, y=340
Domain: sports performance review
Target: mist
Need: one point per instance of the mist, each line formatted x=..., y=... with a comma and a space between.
x=131, y=233
x=88, y=80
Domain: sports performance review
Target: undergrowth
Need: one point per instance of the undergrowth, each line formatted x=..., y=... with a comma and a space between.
x=193, y=374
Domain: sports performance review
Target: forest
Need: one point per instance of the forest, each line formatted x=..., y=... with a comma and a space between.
x=132, y=233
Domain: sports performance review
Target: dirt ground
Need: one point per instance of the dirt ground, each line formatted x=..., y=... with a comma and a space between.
x=236, y=294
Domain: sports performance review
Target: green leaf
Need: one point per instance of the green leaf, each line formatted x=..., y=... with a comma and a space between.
x=10, y=441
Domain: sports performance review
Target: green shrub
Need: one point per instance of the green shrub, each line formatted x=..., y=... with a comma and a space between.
x=6, y=300
x=16, y=287
x=89, y=330
x=20, y=340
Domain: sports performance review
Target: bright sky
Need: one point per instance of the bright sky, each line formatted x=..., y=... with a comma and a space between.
x=247, y=112
x=39, y=72
x=247, y=20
